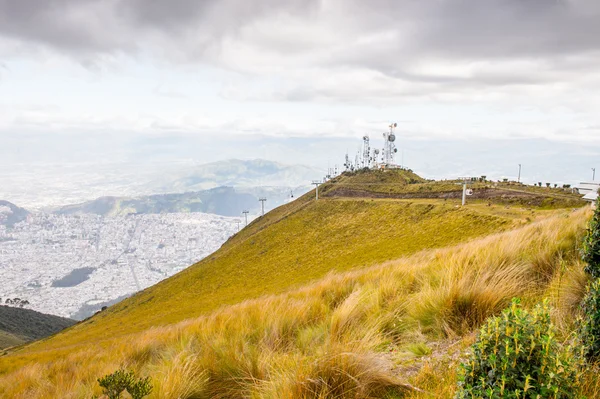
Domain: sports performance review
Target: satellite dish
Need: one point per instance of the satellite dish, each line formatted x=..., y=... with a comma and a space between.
x=395, y=150
x=469, y=192
x=376, y=152
x=395, y=124
x=365, y=137
x=392, y=137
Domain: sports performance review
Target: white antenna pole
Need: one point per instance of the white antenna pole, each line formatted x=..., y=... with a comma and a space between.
x=262, y=202
x=246, y=216
x=519, y=178
x=593, y=174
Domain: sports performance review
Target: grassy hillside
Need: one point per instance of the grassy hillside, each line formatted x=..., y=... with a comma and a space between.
x=292, y=246
x=398, y=183
x=377, y=287
x=19, y=325
x=371, y=332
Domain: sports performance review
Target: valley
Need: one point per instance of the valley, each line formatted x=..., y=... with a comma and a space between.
x=72, y=265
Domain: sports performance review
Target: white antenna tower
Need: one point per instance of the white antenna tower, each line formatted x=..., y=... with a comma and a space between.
x=347, y=163
x=262, y=203
x=246, y=216
x=366, y=152
x=389, y=148
x=374, y=157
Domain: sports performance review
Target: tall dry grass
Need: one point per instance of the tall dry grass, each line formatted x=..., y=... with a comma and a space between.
x=338, y=337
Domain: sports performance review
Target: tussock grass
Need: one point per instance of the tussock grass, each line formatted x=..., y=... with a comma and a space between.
x=334, y=338
x=290, y=247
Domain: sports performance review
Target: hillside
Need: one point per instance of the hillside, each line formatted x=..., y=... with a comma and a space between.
x=10, y=214
x=7, y=340
x=18, y=325
x=225, y=201
x=355, y=257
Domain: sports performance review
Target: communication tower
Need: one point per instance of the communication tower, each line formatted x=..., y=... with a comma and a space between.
x=374, y=158
x=366, y=152
x=389, y=147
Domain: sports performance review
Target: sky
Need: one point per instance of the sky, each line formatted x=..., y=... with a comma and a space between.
x=476, y=86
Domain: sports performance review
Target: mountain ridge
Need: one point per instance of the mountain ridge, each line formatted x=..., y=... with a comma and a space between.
x=23, y=325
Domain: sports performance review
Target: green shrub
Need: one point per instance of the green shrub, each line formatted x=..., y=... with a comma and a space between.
x=516, y=355
x=114, y=384
x=589, y=330
x=591, y=245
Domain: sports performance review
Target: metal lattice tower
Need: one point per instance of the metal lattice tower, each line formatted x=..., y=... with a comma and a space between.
x=389, y=148
x=366, y=152
x=246, y=216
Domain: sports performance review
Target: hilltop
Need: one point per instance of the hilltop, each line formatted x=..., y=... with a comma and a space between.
x=331, y=262
x=10, y=214
x=405, y=184
x=18, y=325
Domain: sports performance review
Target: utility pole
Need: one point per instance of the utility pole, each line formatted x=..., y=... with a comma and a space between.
x=593, y=174
x=262, y=203
x=519, y=178
x=246, y=216
x=316, y=183
x=238, y=224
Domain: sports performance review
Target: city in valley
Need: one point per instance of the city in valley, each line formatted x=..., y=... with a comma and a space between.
x=73, y=265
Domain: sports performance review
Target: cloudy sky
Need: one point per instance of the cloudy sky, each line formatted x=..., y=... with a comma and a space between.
x=476, y=86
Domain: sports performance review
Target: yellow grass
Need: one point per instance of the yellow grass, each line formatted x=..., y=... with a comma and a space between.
x=341, y=337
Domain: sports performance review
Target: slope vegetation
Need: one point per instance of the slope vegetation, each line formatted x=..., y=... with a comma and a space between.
x=290, y=247
x=373, y=332
x=335, y=244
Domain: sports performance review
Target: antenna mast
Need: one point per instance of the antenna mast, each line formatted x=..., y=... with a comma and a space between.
x=389, y=148
x=246, y=216
x=366, y=152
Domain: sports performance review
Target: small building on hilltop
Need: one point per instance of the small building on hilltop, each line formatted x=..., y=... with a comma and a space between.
x=589, y=191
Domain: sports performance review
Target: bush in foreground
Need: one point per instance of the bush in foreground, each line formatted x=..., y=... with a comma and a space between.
x=591, y=246
x=517, y=356
x=589, y=330
x=114, y=384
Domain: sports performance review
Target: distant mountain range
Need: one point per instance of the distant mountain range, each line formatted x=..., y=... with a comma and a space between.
x=239, y=173
x=224, y=201
x=18, y=325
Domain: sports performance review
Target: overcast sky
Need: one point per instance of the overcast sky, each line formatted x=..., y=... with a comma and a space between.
x=464, y=79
